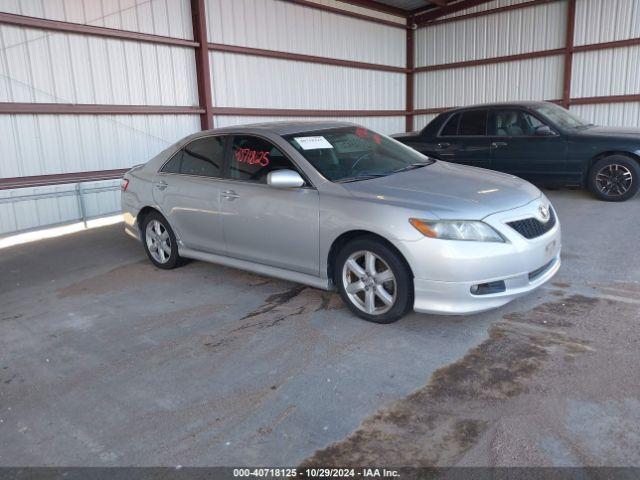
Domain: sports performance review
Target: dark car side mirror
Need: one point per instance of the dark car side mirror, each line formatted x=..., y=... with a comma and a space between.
x=544, y=131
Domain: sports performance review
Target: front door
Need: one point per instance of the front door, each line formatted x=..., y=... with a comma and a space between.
x=188, y=188
x=273, y=226
x=464, y=139
x=521, y=147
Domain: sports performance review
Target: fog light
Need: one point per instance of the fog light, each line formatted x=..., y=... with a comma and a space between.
x=488, y=288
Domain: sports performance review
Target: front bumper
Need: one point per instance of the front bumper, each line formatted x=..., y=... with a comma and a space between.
x=445, y=271
x=455, y=298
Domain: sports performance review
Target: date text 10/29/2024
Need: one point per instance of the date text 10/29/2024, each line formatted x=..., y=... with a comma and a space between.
x=315, y=472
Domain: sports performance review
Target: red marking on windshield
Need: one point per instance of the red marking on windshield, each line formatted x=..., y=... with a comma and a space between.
x=252, y=157
x=377, y=139
x=362, y=132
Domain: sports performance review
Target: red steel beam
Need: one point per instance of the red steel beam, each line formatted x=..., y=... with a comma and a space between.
x=339, y=11
x=219, y=47
x=606, y=99
x=492, y=60
x=568, y=55
x=91, y=109
x=378, y=6
x=68, y=27
x=203, y=72
x=433, y=18
x=409, y=80
x=291, y=112
x=61, y=178
x=629, y=42
x=447, y=10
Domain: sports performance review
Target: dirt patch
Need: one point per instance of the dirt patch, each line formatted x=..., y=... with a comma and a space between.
x=119, y=279
x=437, y=424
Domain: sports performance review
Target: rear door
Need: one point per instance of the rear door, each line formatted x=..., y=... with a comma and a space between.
x=464, y=139
x=517, y=147
x=273, y=226
x=187, y=190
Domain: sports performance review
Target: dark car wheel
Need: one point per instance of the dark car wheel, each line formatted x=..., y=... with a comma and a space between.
x=159, y=242
x=374, y=281
x=615, y=178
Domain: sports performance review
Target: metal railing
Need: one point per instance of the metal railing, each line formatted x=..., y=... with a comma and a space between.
x=79, y=192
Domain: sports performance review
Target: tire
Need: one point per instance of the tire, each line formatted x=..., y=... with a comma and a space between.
x=167, y=257
x=615, y=178
x=397, y=290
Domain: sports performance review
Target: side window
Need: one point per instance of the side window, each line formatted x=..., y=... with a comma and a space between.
x=252, y=158
x=473, y=122
x=514, y=123
x=203, y=157
x=173, y=165
x=451, y=127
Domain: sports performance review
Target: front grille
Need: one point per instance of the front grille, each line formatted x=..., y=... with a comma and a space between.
x=532, y=227
x=538, y=272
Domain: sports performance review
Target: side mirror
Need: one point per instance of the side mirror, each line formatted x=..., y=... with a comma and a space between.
x=284, y=179
x=544, y=131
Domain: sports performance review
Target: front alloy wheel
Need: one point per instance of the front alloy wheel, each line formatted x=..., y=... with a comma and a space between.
x=615, y=178
x=374, y=280
x=369, y=282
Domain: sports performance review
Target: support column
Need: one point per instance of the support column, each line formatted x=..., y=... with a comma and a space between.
x=410, y=66
x=568, y=53
x=203, y=78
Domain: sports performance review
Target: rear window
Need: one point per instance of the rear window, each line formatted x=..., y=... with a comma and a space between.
x=473, y=122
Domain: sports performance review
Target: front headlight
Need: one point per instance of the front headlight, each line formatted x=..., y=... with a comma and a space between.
x=457, y=230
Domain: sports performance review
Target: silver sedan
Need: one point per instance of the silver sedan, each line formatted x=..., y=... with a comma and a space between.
x=335, y=205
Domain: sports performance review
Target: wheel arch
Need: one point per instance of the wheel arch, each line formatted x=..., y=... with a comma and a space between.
x=605, y=154
x=144, y=211
x=341, y=240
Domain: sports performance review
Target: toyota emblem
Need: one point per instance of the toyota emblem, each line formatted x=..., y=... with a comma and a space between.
x=544, y=212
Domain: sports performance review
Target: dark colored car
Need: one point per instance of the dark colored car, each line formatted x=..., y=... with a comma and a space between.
x=538, y=141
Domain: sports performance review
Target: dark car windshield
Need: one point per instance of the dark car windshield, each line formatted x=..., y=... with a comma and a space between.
x=560, y=116
x=355, y=153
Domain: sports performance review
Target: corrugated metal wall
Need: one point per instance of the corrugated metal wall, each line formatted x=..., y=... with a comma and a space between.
x=611, y=71
x=514, y=31
x=40, y=66
x=240, y=80
x=519, y=31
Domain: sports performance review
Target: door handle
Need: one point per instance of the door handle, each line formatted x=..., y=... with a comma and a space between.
x=443, y=145
x=498, y=144
x=229, y=194
x=161, y=185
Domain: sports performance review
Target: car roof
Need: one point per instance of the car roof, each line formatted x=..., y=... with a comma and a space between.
x=282, y=127
x=527, y=103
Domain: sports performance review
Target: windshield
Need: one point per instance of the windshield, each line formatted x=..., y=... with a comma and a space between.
x=355, y=153
x=560, y=116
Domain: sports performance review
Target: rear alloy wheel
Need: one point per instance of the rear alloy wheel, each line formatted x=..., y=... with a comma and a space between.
x=615, y=178
x=160, y=242
x=374, y=281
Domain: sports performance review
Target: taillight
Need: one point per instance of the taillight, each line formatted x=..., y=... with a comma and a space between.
x=124, y=184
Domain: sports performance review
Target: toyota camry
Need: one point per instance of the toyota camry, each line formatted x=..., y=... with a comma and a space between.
x=334, y=205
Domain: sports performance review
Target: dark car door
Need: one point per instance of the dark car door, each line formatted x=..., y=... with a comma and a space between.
x=463, y=139
x=524, y=145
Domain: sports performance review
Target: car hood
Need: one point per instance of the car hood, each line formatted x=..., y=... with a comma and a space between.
x=611, y=131
x=449, y=191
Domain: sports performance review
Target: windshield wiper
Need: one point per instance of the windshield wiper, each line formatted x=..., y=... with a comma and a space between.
x=413, y=166
x=363, y=176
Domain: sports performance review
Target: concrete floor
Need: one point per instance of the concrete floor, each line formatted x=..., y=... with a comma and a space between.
x=105, y=360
